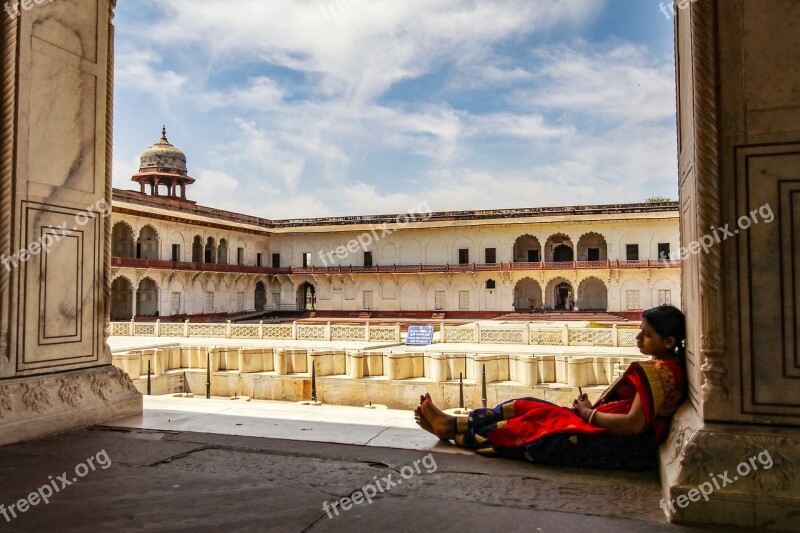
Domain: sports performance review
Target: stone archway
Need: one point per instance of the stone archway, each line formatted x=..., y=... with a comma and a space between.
x=592, y=295
x=559, y=295
x=121, y=299
x=147, y=298
x=527, y=249
x=306, y=297
x=122, y=242
x=528, y=295
x=559, y=248
x=147, y=244
x=210, y=251
x=197, y=249
x=222, y=252
x=592, y=247
x=260, y=298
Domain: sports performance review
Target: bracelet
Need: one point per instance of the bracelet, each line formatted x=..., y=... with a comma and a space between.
x=591, y=415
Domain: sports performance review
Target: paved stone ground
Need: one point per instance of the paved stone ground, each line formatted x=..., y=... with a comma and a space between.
x=183, y=481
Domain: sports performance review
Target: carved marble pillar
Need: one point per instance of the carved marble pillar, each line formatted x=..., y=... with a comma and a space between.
x=739, y=155
x=55, y=175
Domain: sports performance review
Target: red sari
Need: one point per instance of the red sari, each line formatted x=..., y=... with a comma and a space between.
x=542, y=432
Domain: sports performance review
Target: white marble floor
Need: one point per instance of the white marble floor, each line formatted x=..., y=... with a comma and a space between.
x=379, y=427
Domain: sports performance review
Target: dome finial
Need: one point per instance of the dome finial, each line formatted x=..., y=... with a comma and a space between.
x=164, y=135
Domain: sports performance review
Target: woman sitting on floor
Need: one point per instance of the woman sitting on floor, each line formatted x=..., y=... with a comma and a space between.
x=622, y=430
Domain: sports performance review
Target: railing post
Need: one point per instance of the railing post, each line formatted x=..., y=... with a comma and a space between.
x=228, y=329
x=526, y=334
x=294, y=330
x=132, y=330
x=443, y=337
x=476, y=335
x=366, y=332
x=614, y=336
x=565, y=332
x=328, y=330
x=186, y=328
x=260, y=329
x=398, y=334
x=158, y=326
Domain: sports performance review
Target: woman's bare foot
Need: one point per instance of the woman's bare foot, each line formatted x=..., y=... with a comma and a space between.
x=442, y=425
x=422, y=421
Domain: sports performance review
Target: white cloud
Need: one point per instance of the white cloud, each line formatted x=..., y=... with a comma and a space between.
x=138, y=69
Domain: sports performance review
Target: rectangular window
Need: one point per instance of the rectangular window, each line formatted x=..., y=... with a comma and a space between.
x=463, y=256
x=367, y=259
x=176, y=252
x=276, y=260
x=664, y=298
x=367, y=300
x=632, y=252
x=490, y=284
x=176, y=303
x=240, y=301
x=259, y=260
x=491, y=256
x=240, y=256
x=209, y=302
x=307, y=260
x=632, y=299
x=593, y=254
x=533, y=256
x=663, y=251
x=439, y=302
x=463, y=300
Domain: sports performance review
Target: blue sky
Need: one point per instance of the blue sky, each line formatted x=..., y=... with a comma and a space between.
x=290, y=108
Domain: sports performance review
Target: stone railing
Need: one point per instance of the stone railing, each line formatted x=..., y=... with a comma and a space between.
x=526, y=334
x=288, y=331
x=533, y=335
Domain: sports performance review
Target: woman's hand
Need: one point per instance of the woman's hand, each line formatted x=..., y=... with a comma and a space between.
x=582, y=406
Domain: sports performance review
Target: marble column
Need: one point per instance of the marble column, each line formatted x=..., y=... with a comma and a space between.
x=55, y=172
x=738, y=436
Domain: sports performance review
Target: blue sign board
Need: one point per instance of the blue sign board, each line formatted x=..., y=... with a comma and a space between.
x=419, y=336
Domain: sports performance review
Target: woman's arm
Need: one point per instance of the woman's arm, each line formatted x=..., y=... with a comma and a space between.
x=628, y=424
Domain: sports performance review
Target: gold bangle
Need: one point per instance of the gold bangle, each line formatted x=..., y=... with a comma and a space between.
x=591, y=415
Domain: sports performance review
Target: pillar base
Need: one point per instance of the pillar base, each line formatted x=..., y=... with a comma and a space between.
x=38, y=406
x=750, y=473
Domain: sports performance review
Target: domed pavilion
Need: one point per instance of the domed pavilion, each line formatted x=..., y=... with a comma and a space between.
x=163, y=165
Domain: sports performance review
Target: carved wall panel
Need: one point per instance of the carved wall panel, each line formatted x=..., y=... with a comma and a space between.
x=769, y=276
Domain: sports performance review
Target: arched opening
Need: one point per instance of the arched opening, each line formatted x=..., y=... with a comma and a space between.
x=527, y=249
x=122, y=244
x=559, y=295
x=222, y=252
x=147, y=298
x=147, y=245
x=121, y=299
x=197, y=249
x=210, y=251
x=306, y=297
x=261, y=296
x=559, y=248
x=592, y=247
x=592, y=295
x=527, y=295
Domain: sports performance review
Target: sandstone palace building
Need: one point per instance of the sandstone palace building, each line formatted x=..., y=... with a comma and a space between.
x=174, y=258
